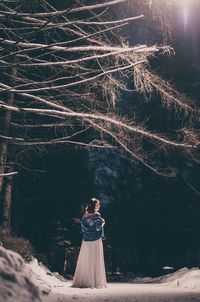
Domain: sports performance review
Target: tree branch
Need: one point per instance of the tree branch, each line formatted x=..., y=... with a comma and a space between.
x=97, y=117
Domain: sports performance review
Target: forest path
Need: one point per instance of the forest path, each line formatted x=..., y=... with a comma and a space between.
x=123, y=292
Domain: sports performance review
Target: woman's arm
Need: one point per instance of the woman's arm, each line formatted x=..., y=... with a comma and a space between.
x=99, y=221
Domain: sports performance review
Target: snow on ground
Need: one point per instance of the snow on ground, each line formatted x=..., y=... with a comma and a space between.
x=44, y=278
x=124, y=292
x=188, y=278
x=181, y=286
x=33, y=282
x=15, y=279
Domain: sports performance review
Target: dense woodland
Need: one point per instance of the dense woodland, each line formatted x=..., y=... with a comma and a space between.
x=101, y=99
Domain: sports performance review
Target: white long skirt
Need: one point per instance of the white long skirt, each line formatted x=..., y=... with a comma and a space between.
x=90, y=268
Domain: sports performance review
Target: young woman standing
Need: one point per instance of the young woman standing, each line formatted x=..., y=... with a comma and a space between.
x=90, y=268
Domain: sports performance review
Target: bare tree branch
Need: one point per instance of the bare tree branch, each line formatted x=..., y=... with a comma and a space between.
x=89, y=79
x=9, y=174
x=97, y=117
x=67, y=11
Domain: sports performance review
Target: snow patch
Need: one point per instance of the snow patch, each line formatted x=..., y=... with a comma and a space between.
x=26, y=282
x=44, y=278
x=184, y=277
x=189, y=278
x=16, y=282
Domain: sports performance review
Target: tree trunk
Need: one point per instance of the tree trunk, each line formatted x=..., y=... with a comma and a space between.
x=3, y=156
x=6, y=222
x=5, y=129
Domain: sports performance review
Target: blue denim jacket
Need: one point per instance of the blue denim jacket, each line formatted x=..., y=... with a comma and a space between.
x=91, y=227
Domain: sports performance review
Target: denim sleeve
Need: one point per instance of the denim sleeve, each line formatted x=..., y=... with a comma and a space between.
x=98, y=222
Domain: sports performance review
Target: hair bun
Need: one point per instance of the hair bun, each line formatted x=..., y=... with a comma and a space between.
x=90, y=208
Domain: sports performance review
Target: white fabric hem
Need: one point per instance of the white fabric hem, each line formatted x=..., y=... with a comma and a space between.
x=90, y=268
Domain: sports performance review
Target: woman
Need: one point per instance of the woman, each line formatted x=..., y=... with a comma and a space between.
x=90, y=268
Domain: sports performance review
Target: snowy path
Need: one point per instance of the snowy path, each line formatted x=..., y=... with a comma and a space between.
x=123, y=292
x=33, y=282
x=180, y=286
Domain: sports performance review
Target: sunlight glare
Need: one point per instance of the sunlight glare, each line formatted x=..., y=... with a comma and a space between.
x=185, y=7
x=185, y=16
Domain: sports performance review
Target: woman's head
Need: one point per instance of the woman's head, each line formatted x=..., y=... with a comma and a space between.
x=93, y=205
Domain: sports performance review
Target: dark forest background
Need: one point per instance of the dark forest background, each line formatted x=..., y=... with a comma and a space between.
x=151, y=221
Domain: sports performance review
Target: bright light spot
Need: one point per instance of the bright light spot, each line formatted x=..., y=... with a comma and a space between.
x=185, y=7
x=185, y=16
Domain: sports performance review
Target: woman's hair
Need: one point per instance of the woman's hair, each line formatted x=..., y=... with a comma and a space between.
x=91, y=205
